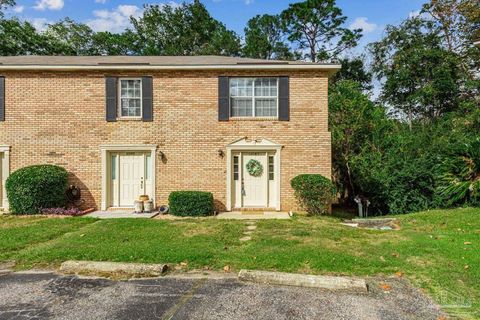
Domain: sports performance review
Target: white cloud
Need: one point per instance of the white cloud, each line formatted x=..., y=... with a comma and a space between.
x=247, y=2
x=18, y=9
x=49, y=4
x=40, y=24
x=114, y=20
x=101, y=1
x=362, y=23
x=118, y=19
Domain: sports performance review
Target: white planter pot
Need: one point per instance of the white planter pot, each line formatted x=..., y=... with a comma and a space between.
x=148, y=206
x=138, y=206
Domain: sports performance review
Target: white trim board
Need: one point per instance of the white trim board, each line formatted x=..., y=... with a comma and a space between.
x=331, y=69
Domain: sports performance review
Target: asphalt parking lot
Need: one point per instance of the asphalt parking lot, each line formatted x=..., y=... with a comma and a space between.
x=51, y=296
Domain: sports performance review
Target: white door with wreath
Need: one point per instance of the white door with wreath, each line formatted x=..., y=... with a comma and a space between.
x=255, y=179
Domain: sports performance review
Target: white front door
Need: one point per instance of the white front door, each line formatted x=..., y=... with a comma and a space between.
x=130, y=176
x=255, y=187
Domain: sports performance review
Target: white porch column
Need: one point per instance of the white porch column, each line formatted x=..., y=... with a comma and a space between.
x=5, y=165
x=229, y=180
x=104, y=160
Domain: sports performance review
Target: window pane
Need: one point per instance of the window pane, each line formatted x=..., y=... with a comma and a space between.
x=241, y=87
x=266, y=87
x=130, y=95
x=124, y=105
x=242, y=107
x=266, y=107
x=271, y=168
x=235, y=168
x=148, y=164
x=265, y=92
x=114, y=167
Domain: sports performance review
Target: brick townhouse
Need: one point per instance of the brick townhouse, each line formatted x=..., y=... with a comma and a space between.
x=127, y=126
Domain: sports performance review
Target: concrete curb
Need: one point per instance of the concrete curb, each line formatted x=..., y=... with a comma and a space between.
x=346, y=284
x=5, y=271
x=113, y=269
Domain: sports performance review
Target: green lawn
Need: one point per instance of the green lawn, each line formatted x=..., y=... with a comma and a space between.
x=436, y=250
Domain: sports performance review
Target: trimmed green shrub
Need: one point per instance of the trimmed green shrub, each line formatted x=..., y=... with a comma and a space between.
x=314, y=192
x=31, y=189
x=191, y=203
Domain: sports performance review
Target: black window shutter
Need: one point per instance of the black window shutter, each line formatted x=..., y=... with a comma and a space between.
x=2, y=99
x=147, y=99
x=223, y=99
x=111, y=98
x=284, y=99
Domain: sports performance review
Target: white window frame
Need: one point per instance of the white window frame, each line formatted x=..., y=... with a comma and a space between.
x=254, y=116
x=119, y=104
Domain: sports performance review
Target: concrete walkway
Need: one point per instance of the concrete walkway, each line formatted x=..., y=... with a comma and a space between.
x=120, y=214
x=250, y=229
x=247, y=215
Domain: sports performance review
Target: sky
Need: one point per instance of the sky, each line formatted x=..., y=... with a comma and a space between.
x=113, y=15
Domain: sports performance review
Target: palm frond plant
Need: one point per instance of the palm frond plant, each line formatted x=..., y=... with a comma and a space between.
x=458, y=176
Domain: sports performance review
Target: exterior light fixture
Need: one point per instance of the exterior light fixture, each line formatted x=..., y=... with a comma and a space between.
x=161, y=155
x=221, y=153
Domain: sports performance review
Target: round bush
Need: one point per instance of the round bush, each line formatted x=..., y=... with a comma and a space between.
x=191, y=203
x=314, y=192
x=31, y=189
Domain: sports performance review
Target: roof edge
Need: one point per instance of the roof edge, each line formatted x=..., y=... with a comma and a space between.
x=331, y=68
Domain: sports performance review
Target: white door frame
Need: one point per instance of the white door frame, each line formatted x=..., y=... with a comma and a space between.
x=5, y=167
x=106, y=150
x=260, y=145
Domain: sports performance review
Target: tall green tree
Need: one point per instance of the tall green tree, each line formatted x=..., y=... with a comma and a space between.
x=421, y=79
x=113, y=44
x=75, y=39
x=265, y=38
x=317, y=26
x=354, y=121
x=459, y=25
x=21, y=38
x=354, y=69
x=188, y=29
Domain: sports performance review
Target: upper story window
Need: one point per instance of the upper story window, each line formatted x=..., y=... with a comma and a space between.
x=130, y=98
x=254, y=97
